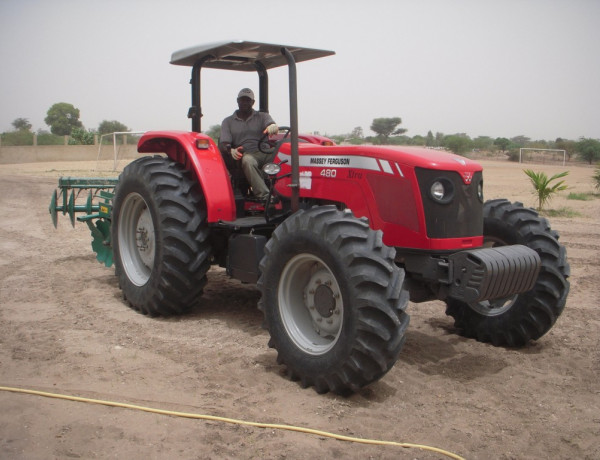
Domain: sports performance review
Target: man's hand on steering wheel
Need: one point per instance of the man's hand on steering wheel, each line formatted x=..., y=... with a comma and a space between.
x=273, y=145
x=271, y=129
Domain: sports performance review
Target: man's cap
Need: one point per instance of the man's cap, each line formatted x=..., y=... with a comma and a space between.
x=246, y=92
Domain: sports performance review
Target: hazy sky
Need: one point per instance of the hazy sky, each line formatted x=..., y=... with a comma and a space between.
x=494, y=68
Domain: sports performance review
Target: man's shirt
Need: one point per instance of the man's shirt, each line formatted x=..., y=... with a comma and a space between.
x=245, y=133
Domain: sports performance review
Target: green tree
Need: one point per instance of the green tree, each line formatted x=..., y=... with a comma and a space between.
x=22, y=137
x=457, y=143
x=570, y=147
x=588, y=150
x=47, y=138
x=22, y=124
x=386, y=127
x=539, y=144
x=596, y=178
x=520, y=141
x=483, y=143
x=112, y=126
x=418, y=140
x=396, y=140
x=502, y=143
x=357, y=133
x=542, y=188
x=214, y=132
x=62, y=118
x=430, y=140
x=439, y=139
x=79, y=136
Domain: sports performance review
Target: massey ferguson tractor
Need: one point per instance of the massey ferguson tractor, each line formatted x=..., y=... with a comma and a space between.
x=357, y=233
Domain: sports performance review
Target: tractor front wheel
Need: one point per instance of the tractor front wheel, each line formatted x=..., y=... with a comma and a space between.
x=159, y=236
x=516, y=320
x=333, y=300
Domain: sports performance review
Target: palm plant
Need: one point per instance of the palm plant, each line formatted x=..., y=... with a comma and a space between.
x=596, y=178
x=542, y=185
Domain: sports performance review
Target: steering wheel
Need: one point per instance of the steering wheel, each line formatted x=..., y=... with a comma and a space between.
x=273, y=145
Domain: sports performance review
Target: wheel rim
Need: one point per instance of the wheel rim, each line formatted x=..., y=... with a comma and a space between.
x=310, y=304
x=136, y=239
x=499, y=306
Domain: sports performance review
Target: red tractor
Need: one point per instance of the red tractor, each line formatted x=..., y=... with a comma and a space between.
x=357, y=233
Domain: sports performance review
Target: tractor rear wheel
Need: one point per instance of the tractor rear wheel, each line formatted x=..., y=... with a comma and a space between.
x=159, y=236
x=333, y=300
x=516, y=320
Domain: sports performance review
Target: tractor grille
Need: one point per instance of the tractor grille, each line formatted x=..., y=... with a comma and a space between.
x=460, y=217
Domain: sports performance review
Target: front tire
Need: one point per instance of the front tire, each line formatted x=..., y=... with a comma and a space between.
x=333, y=300
x=516, y=320
x=159, y=236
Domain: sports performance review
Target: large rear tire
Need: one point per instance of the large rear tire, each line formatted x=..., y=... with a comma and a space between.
x=516, y=320
x=159, y=236
x=333, y=300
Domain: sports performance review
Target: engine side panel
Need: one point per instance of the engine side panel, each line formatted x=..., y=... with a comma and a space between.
x=381, y=184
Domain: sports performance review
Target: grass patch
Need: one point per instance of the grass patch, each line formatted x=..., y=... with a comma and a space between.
x=580, y=196
x=562, y=212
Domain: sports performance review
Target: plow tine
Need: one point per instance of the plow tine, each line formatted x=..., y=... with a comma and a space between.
x=97, y=216
x=88, y=204
x=71, y=208
x=53, y=210
x=100, y=188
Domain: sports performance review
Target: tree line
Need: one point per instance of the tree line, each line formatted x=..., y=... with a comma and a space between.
x=63, y=120
x=388, y=133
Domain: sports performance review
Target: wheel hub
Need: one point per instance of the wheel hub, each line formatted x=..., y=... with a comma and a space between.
x=310, y=304
x=322, y=301
x=136, y=239
x=494, y=307
x=144, y=237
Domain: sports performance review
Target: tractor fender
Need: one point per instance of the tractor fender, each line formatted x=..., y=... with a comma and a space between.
x=192, y=151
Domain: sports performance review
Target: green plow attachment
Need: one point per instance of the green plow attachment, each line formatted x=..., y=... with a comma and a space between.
x=97, y=209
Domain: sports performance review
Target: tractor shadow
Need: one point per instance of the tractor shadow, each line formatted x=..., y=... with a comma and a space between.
x=227, y=301
x=230, y=301
x=436, y=348
x=433, y=348
x=223, y=299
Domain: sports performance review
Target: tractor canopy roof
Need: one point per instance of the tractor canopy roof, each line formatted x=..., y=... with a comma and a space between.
x=242, y=55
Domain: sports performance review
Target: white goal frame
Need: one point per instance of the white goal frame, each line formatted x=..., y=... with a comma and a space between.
x=540, y=150
x=115, y=149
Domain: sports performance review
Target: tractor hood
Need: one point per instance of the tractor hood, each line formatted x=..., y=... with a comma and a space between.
x=366, y=157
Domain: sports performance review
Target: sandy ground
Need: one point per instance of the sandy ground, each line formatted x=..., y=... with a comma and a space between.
x=65, y=329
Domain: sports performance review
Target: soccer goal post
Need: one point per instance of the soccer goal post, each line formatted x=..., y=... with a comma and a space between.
x=564, y=153
x=115, y=144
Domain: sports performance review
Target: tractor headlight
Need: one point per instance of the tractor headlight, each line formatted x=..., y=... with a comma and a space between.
x=438, y=191
x=441, y=190
x=271, y=169
x=480, y=190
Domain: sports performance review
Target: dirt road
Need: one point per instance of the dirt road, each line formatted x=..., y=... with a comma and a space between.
x=65, y=329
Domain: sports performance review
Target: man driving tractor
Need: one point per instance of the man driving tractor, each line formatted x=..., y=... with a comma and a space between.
x=240, y=134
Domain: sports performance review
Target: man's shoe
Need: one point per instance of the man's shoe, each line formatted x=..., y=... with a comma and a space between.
x=273, y=201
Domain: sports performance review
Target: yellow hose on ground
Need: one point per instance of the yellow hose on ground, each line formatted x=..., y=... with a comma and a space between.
x=234, y=421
